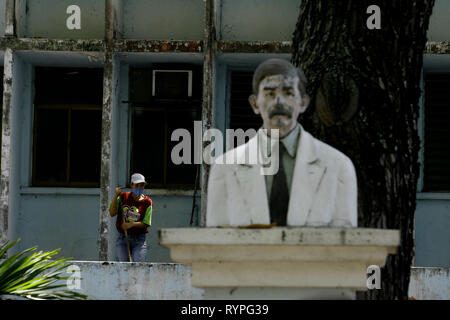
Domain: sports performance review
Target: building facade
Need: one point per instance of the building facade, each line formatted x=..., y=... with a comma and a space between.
x=93, y=91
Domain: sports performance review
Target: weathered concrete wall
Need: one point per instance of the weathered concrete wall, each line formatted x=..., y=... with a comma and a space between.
x=5, y=225
x=432, y=236
x=439, y=28
x=429, y=284
x=47, y=19
x=257, y=20
x=168, y=212
x=122, y=281
x=2, y=17
x=52, y=218
x=67, y=218
x=136, y=281
x=161, y=19
x=119, y=145
x=108, y=147
x=17, y=96
x=181, y=19
x=268, y=20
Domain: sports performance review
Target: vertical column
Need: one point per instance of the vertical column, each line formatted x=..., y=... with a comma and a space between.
x=421, y=132
x=208, y=91
x=6, y=145
x=106, y=171
x=113, y=18
x=9, y=18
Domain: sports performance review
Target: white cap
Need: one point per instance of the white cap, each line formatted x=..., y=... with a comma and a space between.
x=137, y=178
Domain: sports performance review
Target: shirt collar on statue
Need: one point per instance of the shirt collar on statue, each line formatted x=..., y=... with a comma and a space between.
x=290, y=141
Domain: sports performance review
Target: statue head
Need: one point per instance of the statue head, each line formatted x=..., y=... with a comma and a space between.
x=279, y=95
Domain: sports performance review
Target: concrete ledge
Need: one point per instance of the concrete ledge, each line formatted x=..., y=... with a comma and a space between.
x=429, y=284
x=136, y=281
x=204, y=253
x=280, y=236
x=60, y=191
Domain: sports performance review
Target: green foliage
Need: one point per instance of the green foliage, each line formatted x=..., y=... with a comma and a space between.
x=34, y=275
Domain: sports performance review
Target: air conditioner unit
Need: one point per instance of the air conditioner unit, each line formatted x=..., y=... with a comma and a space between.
x=172, y=84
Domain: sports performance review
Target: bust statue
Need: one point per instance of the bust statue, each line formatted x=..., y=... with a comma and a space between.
x=315, y=184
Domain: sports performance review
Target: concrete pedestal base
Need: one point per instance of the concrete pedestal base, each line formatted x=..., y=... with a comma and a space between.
x=280, y=263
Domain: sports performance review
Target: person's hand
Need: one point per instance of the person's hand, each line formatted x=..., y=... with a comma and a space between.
x=127, y=225
x=118, y=191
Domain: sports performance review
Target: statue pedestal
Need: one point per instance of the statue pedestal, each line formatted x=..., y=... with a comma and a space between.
x=280, y=263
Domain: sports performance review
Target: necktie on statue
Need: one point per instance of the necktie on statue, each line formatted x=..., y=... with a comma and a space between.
x=279, y=195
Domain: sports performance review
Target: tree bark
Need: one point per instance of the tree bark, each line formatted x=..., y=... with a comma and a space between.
x=365, y=89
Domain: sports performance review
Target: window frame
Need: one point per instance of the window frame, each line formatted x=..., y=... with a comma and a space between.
x=164, y=105
x=422, y=191
x=190, y=77
x=68, y=183
x=152, y=107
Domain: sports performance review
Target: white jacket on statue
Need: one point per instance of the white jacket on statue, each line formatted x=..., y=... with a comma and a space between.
x=323, y=191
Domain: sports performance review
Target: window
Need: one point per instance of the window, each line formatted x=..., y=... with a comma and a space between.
x=241, y=113
x=67, y=127
x=163, y=98
x=437, y=133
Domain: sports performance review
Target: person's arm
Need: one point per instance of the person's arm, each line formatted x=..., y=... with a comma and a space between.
x=136, y=224
x=115, y=203
x=148, y=216
x=146, y=222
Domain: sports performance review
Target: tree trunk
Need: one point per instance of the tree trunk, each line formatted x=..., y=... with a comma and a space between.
x=365, y=89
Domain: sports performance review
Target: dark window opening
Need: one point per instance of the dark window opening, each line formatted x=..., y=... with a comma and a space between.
x=67, y=127
x=156, y=116
x=437, y=133
x=241, y=113
x=172, y=84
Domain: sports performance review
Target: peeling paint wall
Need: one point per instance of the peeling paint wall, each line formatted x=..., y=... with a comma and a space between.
x=66, y=220
x=431, y=233
x=136, y=281
x=47, y=19
x=161, y=19
x=118, y=146
x=52, y=218
x=5, y=227
x=439, y=28
x=106, y=170
x=17, y=94
x=429, y=284
x=258, y=20
x=168, y=212
x=2, y=17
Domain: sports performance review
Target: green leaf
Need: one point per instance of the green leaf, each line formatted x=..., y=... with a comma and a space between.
x=35, y=276
x=6, y=246
x=7, y=263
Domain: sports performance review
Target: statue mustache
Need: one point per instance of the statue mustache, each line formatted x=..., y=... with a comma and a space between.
x=279, y=110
